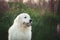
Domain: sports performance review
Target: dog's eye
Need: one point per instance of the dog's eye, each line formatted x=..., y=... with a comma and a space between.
x=25, y=17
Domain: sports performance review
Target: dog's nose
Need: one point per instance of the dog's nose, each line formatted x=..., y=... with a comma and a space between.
x=30, y=21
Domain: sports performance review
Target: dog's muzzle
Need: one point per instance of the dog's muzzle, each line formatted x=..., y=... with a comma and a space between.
x=30, y=21
x=27, y=24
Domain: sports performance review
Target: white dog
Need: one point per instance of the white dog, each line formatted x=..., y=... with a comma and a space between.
x=21, y=28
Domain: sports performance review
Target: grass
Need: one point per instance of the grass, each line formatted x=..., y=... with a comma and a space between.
x=43, y=27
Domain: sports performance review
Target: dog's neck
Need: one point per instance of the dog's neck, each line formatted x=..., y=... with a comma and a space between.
x=23, y=28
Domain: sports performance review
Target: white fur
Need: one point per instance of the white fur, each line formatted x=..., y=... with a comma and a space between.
x=19, y=31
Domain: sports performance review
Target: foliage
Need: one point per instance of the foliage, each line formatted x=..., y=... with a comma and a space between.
x=43, y=27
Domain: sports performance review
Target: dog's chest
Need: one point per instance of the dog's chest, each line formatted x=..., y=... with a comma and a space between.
x=19, y=35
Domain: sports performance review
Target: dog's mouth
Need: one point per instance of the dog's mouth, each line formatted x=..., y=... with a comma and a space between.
x=27, y=24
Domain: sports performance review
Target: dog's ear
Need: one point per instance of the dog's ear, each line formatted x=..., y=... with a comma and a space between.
x=17, y=19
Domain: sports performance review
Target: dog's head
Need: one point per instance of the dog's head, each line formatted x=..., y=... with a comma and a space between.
x=24, y=19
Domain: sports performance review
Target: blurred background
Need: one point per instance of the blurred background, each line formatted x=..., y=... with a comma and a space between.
x=45, y=15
